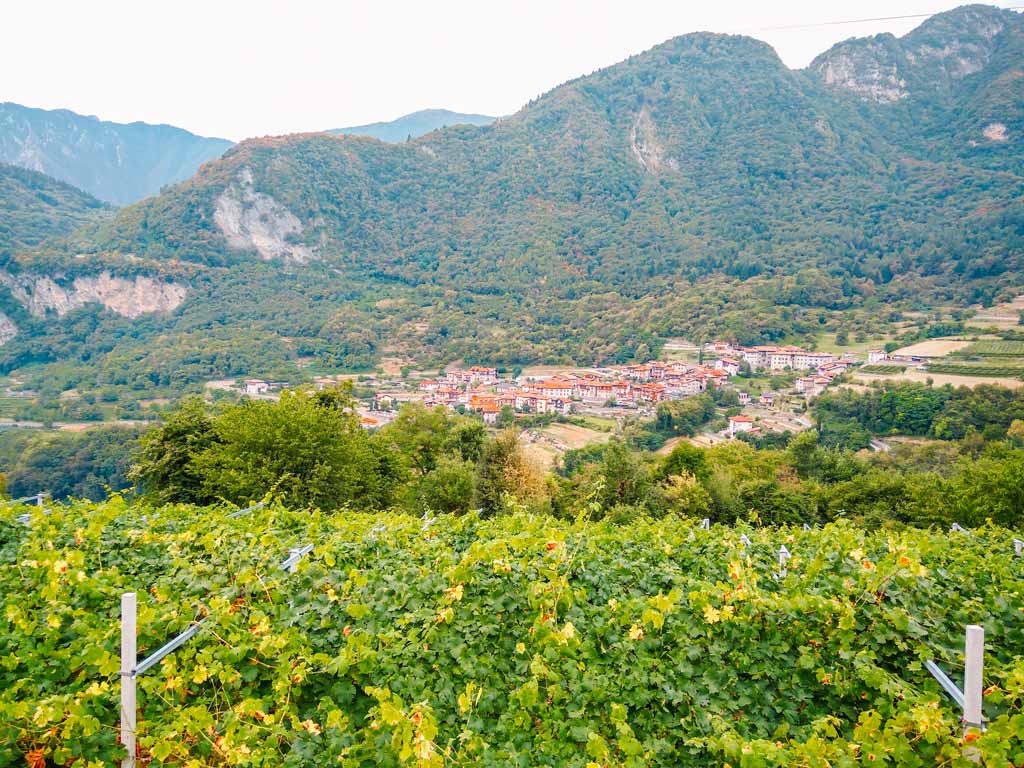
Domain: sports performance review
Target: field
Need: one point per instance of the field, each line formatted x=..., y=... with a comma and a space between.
x=1005, y=315
x=516, y=641
x=939, y=379
x=933, y=347
x=882, y=368
x=984, y=369
x=11, y=406
x=547, y=444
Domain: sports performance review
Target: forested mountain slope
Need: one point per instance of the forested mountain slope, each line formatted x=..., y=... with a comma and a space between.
x=698, y=188
x=118, y=163
x=34, y=206
x=954, y=85
x=413, y=125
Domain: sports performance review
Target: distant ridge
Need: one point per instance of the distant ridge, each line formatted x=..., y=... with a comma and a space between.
x=414, y=125
x=116, y=162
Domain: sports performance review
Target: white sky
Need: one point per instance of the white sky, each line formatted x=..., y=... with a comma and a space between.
x=238, y=68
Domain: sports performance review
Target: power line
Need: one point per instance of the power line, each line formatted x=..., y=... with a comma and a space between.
x=862, y=21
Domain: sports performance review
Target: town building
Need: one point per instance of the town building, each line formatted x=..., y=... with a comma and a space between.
x=727, y=364
x=256, y=387
x=740, y=423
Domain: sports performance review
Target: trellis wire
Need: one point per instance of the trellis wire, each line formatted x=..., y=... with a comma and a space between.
x=131, y=668
x=250, y=508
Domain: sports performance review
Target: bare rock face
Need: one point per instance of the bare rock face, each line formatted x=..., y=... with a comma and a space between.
x=934, y=57
x=647, y=148
x=8, y=330
x=128, y=297
x=253, y=220
x=995, y=132
x=868, y=68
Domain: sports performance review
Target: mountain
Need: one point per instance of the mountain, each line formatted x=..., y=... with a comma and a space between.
x=956, y=83
x=698, y=189
x=414, y=125
x=118, y=163
x=34, y=207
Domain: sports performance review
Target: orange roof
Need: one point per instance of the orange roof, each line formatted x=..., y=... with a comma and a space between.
x=742, y=419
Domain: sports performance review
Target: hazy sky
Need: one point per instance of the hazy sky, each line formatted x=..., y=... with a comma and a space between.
x=235, y=69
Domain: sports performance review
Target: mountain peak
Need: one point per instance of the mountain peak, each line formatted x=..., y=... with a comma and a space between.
x=413, y=125
x=935, y=56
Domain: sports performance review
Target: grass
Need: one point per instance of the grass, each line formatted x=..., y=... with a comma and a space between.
x=827, y=341
x=598, y=423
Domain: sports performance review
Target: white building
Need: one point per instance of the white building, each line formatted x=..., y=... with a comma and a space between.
x=256, y=387
x=740, y=423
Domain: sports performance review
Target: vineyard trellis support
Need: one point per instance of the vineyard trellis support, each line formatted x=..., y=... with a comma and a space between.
x=128, y=654
x=970, y=698
x=131, y=668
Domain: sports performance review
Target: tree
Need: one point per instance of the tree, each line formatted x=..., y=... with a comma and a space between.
x=449, y=488
x=165, y=463
x=507, y=417
x=625, y=478
x=683, y=417
x=685, y=495
x=310, y=454
x=685, y=458
x=419, y=435
x=504, y=469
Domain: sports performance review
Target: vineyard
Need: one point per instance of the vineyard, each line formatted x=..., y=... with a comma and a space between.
x=883, y=369
x=984, y=369
x=994, y=348
x=514, y=641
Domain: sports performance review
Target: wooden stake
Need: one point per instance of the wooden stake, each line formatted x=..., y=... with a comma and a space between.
x=128, y=657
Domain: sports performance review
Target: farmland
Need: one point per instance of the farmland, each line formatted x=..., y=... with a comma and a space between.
x=994, y=348
x=986, y=369
x=883, y=369
x=518, y=640
x=933, y=347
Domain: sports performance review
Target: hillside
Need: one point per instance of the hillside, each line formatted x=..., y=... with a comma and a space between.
x=34, y=207
x=118, y=163
x=413, y=125
x=698, y=189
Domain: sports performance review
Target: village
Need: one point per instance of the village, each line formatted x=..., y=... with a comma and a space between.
x=612, y=391
x=771, y=385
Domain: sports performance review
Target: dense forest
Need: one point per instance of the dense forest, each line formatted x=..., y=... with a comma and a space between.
x=35, y=207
